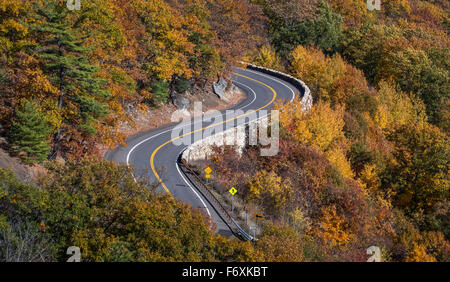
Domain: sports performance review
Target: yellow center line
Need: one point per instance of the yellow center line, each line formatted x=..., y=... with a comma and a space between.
x=152, y=158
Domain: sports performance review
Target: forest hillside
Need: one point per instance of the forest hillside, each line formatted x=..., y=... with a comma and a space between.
x=368, y=165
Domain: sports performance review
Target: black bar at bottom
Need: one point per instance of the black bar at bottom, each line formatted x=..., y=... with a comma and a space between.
x=223, y=271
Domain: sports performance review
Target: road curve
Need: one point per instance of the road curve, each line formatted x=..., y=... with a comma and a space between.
x=154, y=155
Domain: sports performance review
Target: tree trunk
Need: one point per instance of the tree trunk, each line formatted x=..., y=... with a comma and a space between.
x=57, y=136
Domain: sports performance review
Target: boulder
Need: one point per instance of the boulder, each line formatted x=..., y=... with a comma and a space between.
x=181, y=103
x=219, y=87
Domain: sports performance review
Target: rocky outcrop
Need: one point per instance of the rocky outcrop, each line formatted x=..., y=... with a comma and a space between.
x=25, y=173
x=220, y=87
x=181, y=102
x=223, y=90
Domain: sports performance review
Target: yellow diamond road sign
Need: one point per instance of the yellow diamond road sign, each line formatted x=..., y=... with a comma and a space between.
x=232, y=191
x=208, y=170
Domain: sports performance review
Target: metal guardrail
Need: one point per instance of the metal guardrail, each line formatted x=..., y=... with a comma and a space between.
x=306, y=101
x=217, y=205
x=247, y=236
x=306, y=96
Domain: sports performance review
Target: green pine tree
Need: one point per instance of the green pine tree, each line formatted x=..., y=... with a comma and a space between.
x=66, y=63
x=30, y=133
x=160, y=90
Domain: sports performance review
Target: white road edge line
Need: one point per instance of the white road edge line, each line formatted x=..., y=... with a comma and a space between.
x=182, y=175
x=193, y=190
x=156, y=135
x=176, y=164
x=151, y=137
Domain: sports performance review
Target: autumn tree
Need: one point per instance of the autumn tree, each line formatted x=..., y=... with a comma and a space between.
x=12, y=29
x=239, y=28
x=418, y=173
x=321, y=27
x=266, y=57
x=166, y=42
x=333, y=228
x=415, y=72
x=98, y=206
x=205, y=61
x=280, y=244
x=320, y=127
x=15, y=67
x=81, y=93
x=353, y=12
x=270, y=190
x=402, y=54
x=397, y=8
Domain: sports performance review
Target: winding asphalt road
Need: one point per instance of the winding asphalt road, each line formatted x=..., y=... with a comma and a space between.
x=154, y=154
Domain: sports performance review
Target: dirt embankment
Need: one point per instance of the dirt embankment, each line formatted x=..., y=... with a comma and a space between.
x=26, y=173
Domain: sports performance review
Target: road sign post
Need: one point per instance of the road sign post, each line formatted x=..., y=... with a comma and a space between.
x=232, y=204
x=258, y=217
x=246, y=217
x=232, y=192
x=254, y=231
x=208, y=171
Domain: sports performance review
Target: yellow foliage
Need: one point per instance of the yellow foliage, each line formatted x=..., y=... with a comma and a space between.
x=10, y=21
x=267, y=57
x=299, y=221
x=397, y=8
x=52, y=113
x=320, y=127
x=318, y=71
x=280, y=244
x=397, y=107
x=419, y=254
x=166, y=39
x=353, y=11
x=333, y=228
x=269, y=187
x=382, y=116
x=370, y=177
x=337, y=157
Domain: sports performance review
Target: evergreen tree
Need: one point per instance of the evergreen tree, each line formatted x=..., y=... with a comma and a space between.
x=29, y=134
x=82, y=93
x=160, y=90
x=182, y=85
x=324, y=30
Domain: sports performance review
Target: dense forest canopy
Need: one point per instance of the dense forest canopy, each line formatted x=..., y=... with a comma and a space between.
x=87, y=67
x=368, y=165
